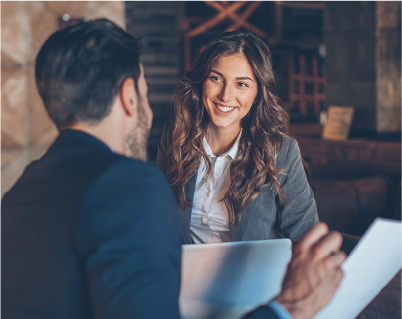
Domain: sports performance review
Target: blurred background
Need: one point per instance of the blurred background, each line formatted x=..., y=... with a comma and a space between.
x=324, y=54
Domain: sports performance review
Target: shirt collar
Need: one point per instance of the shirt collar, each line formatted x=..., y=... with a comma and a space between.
x=232, y=152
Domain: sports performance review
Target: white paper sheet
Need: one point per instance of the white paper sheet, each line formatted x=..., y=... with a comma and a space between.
x=372, y=264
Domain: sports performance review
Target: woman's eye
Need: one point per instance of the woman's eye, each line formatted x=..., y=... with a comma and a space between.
x=215, y=78
x=243, y=85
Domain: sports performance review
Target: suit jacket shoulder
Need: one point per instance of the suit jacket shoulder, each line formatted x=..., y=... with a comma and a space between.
x=129, y=225
x=101, y=228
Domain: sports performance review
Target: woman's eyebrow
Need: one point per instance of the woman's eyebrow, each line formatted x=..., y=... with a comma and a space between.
x=244, y=78
x=219, y=73
x=239, y=78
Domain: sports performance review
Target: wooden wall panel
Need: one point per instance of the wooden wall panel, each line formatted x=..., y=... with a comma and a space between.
x=158, y=23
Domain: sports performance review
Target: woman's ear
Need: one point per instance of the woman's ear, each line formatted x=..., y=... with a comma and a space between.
x=128, y=96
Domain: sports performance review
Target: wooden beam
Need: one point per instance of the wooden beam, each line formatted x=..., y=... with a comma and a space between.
x=224, y=13
x=316, y=97
x=246, y=14
x=308, y=78
x=315, y=42
x=316, y=86
x=310, y=98
x=225, y=10
x=235, y=17
x=301, y=4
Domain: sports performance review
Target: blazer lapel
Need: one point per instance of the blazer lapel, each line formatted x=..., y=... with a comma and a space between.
x=237, y=231
x=185, y=215
x=257, y=206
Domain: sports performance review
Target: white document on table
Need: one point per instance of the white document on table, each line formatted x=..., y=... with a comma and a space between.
x=375, y=260
x=226, y=280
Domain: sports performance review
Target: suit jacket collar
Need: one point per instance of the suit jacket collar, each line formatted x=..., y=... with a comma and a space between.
x=69, y=137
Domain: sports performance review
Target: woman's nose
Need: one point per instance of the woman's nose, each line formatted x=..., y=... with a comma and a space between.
x=226, y=93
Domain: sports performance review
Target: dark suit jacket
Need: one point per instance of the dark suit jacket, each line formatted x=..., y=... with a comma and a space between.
x=87, y=233
x=266, y=217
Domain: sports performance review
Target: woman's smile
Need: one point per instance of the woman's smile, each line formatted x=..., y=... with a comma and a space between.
x=223, y=109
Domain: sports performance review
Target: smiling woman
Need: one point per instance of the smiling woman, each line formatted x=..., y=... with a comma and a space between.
x=226, y=151
x=228, y=94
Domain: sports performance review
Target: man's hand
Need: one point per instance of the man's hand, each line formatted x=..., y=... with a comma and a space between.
x=313, y=274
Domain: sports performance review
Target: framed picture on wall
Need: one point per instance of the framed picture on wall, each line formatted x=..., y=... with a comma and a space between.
x=339, y=123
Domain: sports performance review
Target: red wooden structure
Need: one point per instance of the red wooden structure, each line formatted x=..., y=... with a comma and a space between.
x=224, y=10
x=302, y=78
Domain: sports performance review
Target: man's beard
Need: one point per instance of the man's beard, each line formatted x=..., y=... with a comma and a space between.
x=137, y=139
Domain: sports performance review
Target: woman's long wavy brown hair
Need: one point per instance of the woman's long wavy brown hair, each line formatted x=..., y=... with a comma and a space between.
x=263, y=128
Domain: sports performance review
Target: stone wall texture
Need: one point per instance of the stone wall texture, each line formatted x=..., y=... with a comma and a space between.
x=349, y=35
x=24, y=28
x=26, y=130
x=363, y=62
x=388, y=66
x=159, y=25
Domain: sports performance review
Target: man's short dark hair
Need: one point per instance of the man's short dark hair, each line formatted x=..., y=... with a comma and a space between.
x=80, y=69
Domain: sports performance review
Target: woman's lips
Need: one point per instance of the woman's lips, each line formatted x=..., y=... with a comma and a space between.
x=223, y=110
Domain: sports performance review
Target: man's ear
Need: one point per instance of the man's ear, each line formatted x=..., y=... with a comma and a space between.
x=128, y=96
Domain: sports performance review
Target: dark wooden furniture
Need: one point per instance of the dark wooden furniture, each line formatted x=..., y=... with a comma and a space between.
x=353, y=181
x=356, y=157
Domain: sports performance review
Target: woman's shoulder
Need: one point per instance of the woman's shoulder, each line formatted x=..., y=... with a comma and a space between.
x=286, y=144
x=287, y=148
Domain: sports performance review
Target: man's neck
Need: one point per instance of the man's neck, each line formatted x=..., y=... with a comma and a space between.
x=103, y=132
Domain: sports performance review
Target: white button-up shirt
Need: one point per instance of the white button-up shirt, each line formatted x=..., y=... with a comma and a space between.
x=209, y=216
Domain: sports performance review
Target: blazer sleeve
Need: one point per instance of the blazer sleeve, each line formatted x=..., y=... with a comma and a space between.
x=298, y=211
x=128, y=237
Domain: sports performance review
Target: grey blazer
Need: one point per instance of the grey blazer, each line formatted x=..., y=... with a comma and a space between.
x=266, y=217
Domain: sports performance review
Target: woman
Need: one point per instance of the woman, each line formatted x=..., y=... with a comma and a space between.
x=226, y=152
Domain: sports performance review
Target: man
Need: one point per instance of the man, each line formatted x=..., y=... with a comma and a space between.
x=88, y=232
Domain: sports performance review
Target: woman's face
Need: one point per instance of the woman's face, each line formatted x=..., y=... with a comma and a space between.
x=229, y=91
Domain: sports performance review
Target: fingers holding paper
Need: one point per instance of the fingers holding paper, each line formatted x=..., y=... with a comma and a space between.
x=314, y=273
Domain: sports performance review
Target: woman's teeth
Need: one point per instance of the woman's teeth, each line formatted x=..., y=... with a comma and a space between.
x=224, y=108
